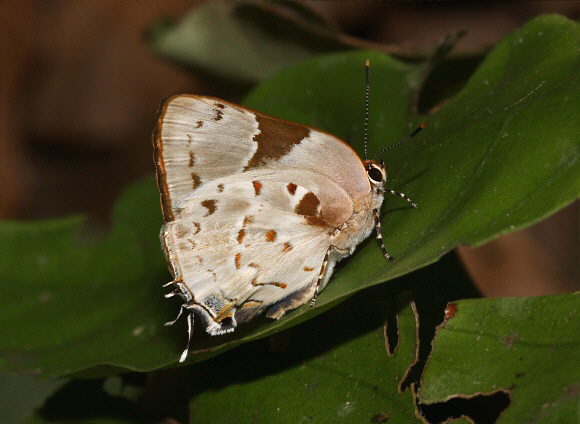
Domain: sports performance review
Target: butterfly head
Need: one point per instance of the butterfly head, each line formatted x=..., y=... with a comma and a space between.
x=376, y=173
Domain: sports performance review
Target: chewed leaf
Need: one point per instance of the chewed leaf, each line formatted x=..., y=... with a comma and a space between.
x=519, y=340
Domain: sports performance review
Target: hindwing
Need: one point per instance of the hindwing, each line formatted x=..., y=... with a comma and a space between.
x=246, y=244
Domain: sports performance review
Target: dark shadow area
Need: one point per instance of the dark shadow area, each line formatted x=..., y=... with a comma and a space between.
x=86, y=401
x=482, y=409
x=452, y=285
x=446, y=79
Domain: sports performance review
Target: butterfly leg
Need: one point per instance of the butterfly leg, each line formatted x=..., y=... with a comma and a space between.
x=402, y=196
x=183, y=309
x=380, y=236
x=320, y=277
x=170, y=323
x=189, y=335
x=176, y=292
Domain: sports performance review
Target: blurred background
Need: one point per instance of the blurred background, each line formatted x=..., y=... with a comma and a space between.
x=80, y=87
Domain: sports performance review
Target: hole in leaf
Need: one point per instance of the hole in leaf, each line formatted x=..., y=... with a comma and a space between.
x=428, y=318
x=482, y=409
x=391, y=333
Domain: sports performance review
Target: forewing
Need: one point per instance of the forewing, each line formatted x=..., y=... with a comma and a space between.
x=200, y=139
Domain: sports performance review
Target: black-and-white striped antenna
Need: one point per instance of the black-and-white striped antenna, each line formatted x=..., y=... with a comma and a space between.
x=368, y=86
x=366, y=133
x=413, y=134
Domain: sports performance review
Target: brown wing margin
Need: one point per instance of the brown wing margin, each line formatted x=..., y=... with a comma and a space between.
x=159, y=166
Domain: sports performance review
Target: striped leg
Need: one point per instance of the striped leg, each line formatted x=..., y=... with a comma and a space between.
x=380, y=236
x=189, y=335
x=320, y=276
x=183, y=309
x=170, y=323
x=402, y=196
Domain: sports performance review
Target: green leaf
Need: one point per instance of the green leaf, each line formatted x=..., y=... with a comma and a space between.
x=314, y=368
x=315, y=362
x=68, y=304
x=315, y=373
x=499, y=156
x=527, y=347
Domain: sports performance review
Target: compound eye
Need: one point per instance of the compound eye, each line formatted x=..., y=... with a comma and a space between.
x=375, y=175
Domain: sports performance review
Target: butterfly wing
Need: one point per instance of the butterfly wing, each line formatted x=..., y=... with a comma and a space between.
x=198, y=139
x=251, y=205
x=239, y=246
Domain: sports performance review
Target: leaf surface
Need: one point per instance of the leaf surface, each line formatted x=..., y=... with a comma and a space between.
x=527, y=347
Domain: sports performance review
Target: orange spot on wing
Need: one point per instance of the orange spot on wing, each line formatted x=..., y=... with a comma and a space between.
x=210, y=205
x=308, y=269
x=191, y=159
x=308, y=207
x=257, y=187
x=196, y=180
x=287, y=247
x=237, y=260
x=270, y=236
x=241, y=235
x=292, y=188
x=219, y=113
x=271, y=283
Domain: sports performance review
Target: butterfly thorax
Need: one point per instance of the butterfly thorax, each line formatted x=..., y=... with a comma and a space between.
x=365, y=209
x=360, y=225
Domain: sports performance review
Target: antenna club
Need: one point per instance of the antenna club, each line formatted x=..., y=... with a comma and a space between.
x=367, y=64
x=423, y=125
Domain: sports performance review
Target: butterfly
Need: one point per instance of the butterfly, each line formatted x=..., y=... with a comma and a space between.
x=257, y=210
